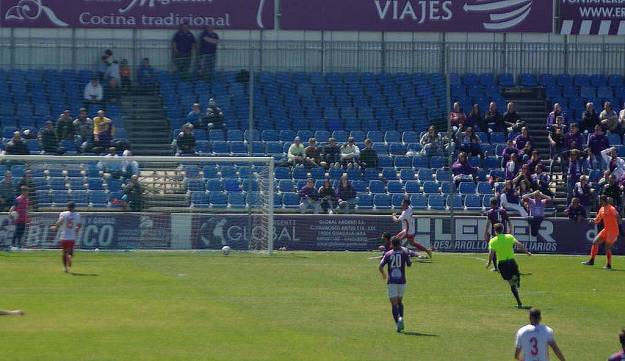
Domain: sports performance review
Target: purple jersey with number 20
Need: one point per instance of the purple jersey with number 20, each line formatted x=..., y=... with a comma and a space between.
x=396, y=262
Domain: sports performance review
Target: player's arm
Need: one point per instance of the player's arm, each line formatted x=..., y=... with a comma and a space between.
x=598, y=217
x=58, y=223
x=491, y=256
x=556, y=350
x=486, y=230
x=522, y=247
x=517, y=354
x=381, y=267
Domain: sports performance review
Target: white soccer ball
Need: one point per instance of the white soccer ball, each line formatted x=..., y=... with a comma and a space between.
x=225, y=250
x=13, y=215
x=97, y=249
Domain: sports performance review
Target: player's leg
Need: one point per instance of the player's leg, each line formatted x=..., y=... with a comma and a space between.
x=509, y=271
x=594, y=250
x=417, y=245
x=400, y=310
x=17, y=235
x=608, y=255
x=11, y=313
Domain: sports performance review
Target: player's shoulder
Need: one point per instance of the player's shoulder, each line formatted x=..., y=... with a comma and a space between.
x=525, y=329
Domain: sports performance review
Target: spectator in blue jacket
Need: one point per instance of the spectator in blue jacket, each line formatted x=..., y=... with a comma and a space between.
x=309, y=197
x=145, y=74
x=195, y=116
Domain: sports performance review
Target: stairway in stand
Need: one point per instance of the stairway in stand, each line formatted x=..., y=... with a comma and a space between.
x=144, y=118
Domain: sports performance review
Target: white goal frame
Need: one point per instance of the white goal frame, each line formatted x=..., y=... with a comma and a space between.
x=268, y=161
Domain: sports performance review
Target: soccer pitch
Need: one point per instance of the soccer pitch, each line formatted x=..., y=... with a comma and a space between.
x=295, y=306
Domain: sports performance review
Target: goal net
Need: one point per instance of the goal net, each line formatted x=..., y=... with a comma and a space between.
x=145, y=202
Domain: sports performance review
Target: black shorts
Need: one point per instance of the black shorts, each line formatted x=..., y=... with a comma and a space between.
x=508, y=269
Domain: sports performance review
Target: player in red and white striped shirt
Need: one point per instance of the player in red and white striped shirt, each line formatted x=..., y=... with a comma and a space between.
x=69, y=221
x=408, y=226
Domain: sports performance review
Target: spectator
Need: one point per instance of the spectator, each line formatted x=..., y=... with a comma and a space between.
x=312, y=153
x=541, y=180
x=83, y=125
x=145, y=74
x=494, y=119
x=184, y=144
x=533, y=162
x=509, y=199
x=126, y=75
x=105, y=61
x=133, y=194
x=129, y=167
x=195, y=116
x=557, y=111
x=7, y=192
x=621, y=121
x=16, y=146
x=208, y=41
x=457, y=117
x=608, y=118
x=48, y=140
x=476, y=120
x=614, y=191
x=573, y=139
x=574, y=169
x=511, y=118
x=346, y=195
x=102, y=131
x=590, y=118
x=575, y=211
x=521, y=139
x=309, y=197
x=513, y=166
x=296, y=153
x=509, y=150
x=331, y=153
x=113, y=79
x=94, y=93
x=112, y=164
x=65, y=127
x=214, y=118
x=327, y=196
x=183, y=44
x=462, y=170
x=556, y=141
x=469, y=142
x=368, y=156
x=536, y=206
x=523, y=176
x=431, y=142
x=597, y=142
x=349, y=153
x=583, y=192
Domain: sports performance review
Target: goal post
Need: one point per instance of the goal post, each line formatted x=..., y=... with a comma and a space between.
x=179, y=203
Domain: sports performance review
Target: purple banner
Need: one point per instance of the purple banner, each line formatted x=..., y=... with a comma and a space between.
x=592, y=17
x=419, y=16
x=137, y=14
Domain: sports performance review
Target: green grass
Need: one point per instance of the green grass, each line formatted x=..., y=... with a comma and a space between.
x=294, y=306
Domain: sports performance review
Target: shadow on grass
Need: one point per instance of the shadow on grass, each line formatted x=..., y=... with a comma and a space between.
x=414, y=333
x=524, y=308
x=526, y=274
x=84, y=274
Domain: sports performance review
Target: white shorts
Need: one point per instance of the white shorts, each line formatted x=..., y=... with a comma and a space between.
x=396, y=290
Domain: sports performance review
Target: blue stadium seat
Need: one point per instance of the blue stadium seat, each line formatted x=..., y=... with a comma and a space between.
x=236, y=200
x=286, y=185
x=397, y=200
x=392, y=136
x=59, y=198
x=195, y=185
x=57, y=184
x=81, y=198
x=424, y=174
x=420, y=162
x=98, y=199
x=456, y=201
x=438, y=162
x=407, y=174
x=376, y=186
x=214, y=185
x=387, y=161
x=282, y=173
x=300, y=172
x=217, y=199
x=395, y=186
x=473, y=202
x=270, y=135
x=43, y=197
x=413, y=186
x=430, y=187
x=389, y=174
x=436, y=202
x=291, y=200
x=467, y=188
x=382, y=201
x=445, y=187
x=419, y=201
x=484, y=188
x=376, y=136
x=365, y=201
x=360, y=186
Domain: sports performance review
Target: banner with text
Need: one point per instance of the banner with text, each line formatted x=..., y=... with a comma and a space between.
x=137, y=14
x=583, y=17
x=419, y=15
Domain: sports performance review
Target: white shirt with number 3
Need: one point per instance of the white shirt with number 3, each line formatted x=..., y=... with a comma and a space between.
x=69, y=221
x=534, y=342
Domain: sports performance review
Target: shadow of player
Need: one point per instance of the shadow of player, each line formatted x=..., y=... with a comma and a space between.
x=84, y=274
x=414, y=333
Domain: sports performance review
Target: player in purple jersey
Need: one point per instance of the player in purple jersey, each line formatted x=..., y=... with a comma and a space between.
x=396, y=261
x=388, y=245
x=620, y=356
x=496, y=215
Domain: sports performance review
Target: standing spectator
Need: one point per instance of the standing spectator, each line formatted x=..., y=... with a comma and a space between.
x=614, y=191
x=331, y=154
x=309, y=197
x=346, y=195
x=113, y=79
x=556, y=112
x=541, y=180
x=476, y=120
x=16, y=146
x=536, y=206
x=509, y=199
x=556, y=141
x=145, y=74
x=312, y=153
x=512, y=167
x=575, y=211
x=616, y=164
x=368, y=156
x=296, y=153
x=327, y=196
x=195, y=117
x=608, y=118
x=597, y=142
x=93, y=93
x=533, y=162
x=129, y=167
x=509, y=150
x=83, y=126
x=583, y=192
x=462, y=170
x=105, y=61
x=457, y=117
x=184, y=144
x=208, y=41
x=65, y=127
x=126, y=75
x=469, y=142
x=133, y=194
x=574, y=169
x=214, y=116
x=350, y=153
x=521, y=139
x=7, y=191
x=183, y=44
x=102, y=131
x=48, y=140
x=494, y=119
x=590, y=118
x=21, y=220
x=573, y=139
x=512, y=119
x=431, y=142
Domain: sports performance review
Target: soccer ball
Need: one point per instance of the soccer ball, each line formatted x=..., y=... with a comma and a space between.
x=225, y=250
x=13, y=215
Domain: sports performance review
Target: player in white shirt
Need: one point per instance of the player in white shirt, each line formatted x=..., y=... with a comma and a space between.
x=534, y=340
x=408, y=226
x=69, y=221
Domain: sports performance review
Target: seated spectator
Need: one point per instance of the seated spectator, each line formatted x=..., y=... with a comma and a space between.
x=184, y=144
x=102, y=131
x=575, y=211
x=214, y=118
x=509, y=150
x=521, y=139
x=512, y=119
x=616, y=164
x=512, y=167
x=84, y=131
x=456, y=116
x=621, y=121
x=346, y=195
x=93, y=93
x=526, y=153
x=309, y=197
x=133, y=194
x=573, y=169
x=7, y=192
x=368, y=156
x=16, y=146
x=523, y=176
x=312, y=154
x=126, y=75
x=145, y=74
x=431, y=142
x=541, y=180
x=509, y=199
x=494, y=119
x=536, y=205
x=604, y=180
x=597, y=142
x=349, y=153
x=469, y=142
x=533, y=162
x=462, y=170
x=112, y=165
x=590, y=119
x=573, y=139
x=65, y=127
x=331, y=154
x=556, y=112
x=615, y=191
x=129, y=167
x=583, y=192
x=327, y=196
x=48, y=140
x=608, y=118
x=476, y=120
x=195, y=117
x=296, y=153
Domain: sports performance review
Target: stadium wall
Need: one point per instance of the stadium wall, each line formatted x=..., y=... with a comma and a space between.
x=295, y=232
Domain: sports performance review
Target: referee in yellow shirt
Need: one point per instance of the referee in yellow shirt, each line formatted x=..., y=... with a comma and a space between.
x=503, y=245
